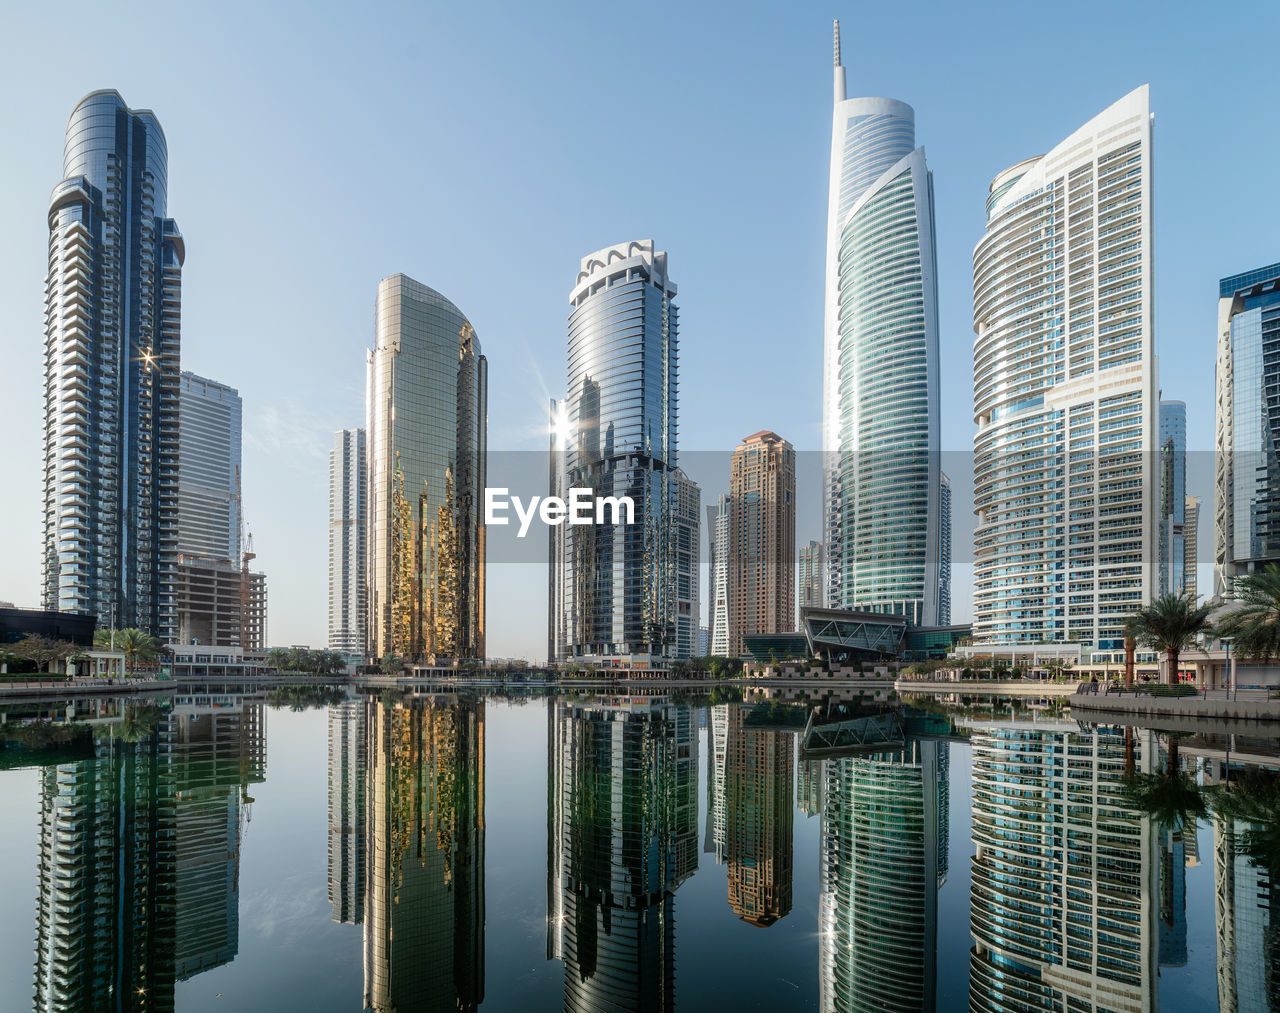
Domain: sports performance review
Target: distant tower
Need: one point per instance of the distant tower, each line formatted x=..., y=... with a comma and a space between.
x=718, y=575
x=811, y=583
x=762, y=538
x=348, y=536
x=113, y=299
x=881, y=474
x=1171, y=537
x=688, y=524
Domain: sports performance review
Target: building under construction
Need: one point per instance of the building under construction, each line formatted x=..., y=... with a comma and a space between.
x=213, y=608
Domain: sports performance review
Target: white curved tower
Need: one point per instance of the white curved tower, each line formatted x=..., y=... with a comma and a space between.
x=881, y=478
x=1065, y=389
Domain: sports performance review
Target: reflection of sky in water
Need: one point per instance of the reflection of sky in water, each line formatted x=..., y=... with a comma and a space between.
x=292, y=955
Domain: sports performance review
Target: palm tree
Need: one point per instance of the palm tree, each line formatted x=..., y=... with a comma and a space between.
x=1170, y=623
x=138, y=646
x=1255, y=623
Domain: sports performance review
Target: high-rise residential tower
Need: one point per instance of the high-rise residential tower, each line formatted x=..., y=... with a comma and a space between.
x=613, y=585
x=1171, y=542
x=718, y=575
x=113, y=299
x=881, y=474
x=425, y=427
x=944, y=552
x=1064, y=389
x=810, y=582
x=1191, y=547
x=1246, y=509
x=762, y=538
x=348, y=537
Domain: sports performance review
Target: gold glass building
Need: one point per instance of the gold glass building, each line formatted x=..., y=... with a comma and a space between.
x=425, y=416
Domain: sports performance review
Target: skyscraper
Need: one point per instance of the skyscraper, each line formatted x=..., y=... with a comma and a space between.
x=217, y=604
x=209, y=439
x=762, y=538
x=348, y=538
x=1171, y=542
x=113, y=299
x=687, y=561
x=718, y=575
x=811, y=583
x=881, y=474
x=426, y=416
x=944, y=552
x=1191, y=547
x=1246, y=507
x=1064, y=389
x=613, y=586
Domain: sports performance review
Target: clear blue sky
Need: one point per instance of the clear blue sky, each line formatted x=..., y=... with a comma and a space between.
x=484, y=148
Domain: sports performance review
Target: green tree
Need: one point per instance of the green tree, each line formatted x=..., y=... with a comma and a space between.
x=139, y=647
x=44, y=651
x=1170, y=624
x=1254, y=624
x=391, y=664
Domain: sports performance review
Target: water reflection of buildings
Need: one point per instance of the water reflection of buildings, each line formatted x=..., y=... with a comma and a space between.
x=717, y=760
x=883, y=859
x=759, y=797
x=348, y=759
x=1247, y=914
x=424, y=893
x=218, y=750
x=1061, y=901
x=621, y=837
x=139, y=855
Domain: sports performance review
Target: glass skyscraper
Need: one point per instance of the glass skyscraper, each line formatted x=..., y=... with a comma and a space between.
x=881, y=473
x=1065, y=483
x=613, y=593
x=426, y=415
x=1172, y=561
x=718, y=575
x=113, y=299
x=1246, y=513
x=209, y=440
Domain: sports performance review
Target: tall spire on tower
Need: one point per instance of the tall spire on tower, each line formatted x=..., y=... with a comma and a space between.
x=839, y=81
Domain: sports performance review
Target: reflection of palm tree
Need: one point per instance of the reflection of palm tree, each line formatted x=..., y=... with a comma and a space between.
x=1255, y=624
x=1172, y=799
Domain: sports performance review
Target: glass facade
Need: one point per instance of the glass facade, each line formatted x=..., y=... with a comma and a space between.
x=881, y=475
x=718, y=575
x=1247, y=426
x=810, y=581
x=348, y=537
x=112, y=344
x=614, y=587
x=1171, y=575
x=1064, y=390
x=209, y=440
x=426, y=416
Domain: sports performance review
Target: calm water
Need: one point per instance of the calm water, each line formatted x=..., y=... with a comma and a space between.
x=454, y=851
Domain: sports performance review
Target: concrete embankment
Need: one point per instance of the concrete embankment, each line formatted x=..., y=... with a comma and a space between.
x=986, y=687
x=1190, y=711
